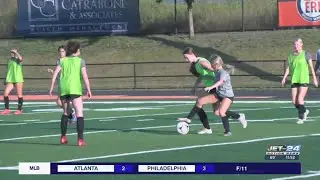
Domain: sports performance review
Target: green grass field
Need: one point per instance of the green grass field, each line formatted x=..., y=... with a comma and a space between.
x=144, y=131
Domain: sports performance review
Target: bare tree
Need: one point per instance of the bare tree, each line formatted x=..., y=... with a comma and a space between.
x=190, y=15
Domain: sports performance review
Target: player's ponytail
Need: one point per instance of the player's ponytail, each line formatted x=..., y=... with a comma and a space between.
x=229, y=68
x=215, y=59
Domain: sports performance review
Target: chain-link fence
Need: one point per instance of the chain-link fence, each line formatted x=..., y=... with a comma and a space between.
x=166, y=75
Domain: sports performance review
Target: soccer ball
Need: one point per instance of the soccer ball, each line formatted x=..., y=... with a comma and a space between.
x=183, y=128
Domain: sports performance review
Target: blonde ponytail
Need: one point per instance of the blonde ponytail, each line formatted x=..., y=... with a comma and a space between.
x=229, y=68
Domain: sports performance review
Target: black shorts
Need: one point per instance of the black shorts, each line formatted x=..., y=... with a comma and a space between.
x=296, y=85
x=14, y=83
x=214, y=92
x=69, y=97
x=221, y=98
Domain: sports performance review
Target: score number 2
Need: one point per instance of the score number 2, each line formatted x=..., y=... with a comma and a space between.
x=123, y=168
x=204, y=168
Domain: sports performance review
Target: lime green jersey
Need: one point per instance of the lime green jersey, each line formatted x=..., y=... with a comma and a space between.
x=298, y=67
x=70, y=76
x=14, y=73
x=206, y=75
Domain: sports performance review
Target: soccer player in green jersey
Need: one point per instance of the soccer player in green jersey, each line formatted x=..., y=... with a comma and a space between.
x=202, y=68
x=14, y=78
x=72, y=115
x=299, y=62
x=71, y=67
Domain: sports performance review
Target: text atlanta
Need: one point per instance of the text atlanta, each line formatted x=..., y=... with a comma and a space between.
x=86, y=168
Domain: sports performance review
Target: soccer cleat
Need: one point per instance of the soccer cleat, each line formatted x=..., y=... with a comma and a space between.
x=5, y=112
x=305, y=115
x=81, y=142
x=63, y=140
x=184, y=120
x=74, y=117
x=18, y=112
x=227, y=133
x=300, y=121
x=205, y=131
x=243, y=120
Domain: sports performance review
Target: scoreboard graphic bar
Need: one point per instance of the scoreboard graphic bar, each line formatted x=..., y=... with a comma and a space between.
x=42, y=168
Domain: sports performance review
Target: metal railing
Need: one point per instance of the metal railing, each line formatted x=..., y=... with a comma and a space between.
x=158, y=75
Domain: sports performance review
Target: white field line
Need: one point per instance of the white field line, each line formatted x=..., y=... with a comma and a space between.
x=299, y=176
x=142, y=120
x=39, y=105
x=113, y=118
x=161, y=102
x=32, y=120
x=140, y=128
x=13, y=124
x=102, y=119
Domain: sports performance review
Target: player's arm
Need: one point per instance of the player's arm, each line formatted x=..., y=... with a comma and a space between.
x=286, y=74
x=223, y=77
x=217, y=84
x=314, y=77
x=54, y=77
x=316, y=69
x=51, y=70
x=86, y=81
x=18, y=55
x=85, y=78
x=206, y=65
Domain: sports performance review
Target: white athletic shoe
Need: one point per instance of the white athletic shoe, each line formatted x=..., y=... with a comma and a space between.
x=228, y=134
x=205, y=131
x=300, y=121
x=305, y=115
x=184, y=120
x=243, y=120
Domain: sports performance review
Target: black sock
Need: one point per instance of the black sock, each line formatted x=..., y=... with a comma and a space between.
x=80, y=127
x=6, y=102
x=203, y=118
x=64, y=125
x=225, y=122
x=301, y=110
x=20, y=102
x=194, y=111
x=233, y=115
